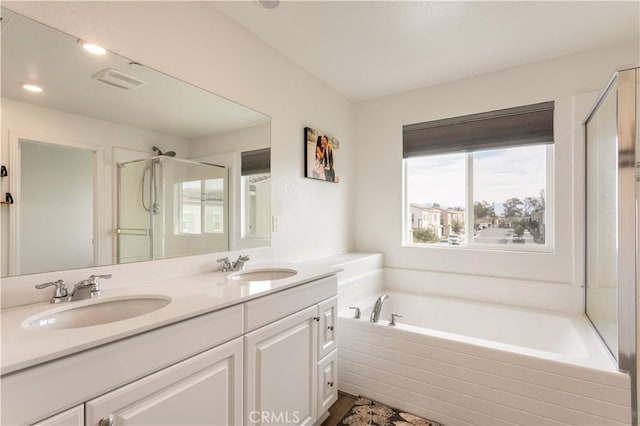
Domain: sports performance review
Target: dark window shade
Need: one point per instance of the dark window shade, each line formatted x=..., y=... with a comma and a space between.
x=525, y=125
x=256, y=162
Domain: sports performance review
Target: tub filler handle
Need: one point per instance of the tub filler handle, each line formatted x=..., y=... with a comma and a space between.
x=393, y=318
x=357, y=311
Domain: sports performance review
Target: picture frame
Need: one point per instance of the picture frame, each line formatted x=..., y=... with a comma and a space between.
x=321, y=155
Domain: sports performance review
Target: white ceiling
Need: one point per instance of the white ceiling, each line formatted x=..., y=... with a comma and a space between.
x=367, y=49
x=37, y=53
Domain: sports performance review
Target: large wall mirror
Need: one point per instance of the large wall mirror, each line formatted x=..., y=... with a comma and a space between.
x=109, y=161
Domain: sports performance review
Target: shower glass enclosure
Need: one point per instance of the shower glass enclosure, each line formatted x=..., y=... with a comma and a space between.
x=611, y=222
x=169, y=207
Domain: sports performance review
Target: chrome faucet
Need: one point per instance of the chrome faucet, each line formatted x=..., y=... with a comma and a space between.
x=59, y=292
x=226, y=264
x=238, y=265
x=375, y=313
x=91, y=283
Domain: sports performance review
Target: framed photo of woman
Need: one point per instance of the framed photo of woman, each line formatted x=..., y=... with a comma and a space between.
x=321, y=153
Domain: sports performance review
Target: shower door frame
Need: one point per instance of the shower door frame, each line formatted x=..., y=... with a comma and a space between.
x=627, y=220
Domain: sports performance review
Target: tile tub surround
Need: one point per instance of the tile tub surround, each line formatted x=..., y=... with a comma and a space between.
x=454, y=379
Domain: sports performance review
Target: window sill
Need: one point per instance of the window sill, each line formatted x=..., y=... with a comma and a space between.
x=506, y=248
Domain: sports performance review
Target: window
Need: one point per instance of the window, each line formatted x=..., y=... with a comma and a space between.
x=200, y=206
x=480, y=191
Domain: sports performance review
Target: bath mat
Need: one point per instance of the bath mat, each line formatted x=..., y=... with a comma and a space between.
x=370, y=413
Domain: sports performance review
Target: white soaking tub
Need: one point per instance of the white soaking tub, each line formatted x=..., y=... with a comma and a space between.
x=462, y=362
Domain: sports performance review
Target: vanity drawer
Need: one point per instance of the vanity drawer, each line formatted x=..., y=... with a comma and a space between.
x=271, y=308
x=327, y=311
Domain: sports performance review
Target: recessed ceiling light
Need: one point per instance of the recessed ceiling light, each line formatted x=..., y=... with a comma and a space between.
x=32, y=87
x=92, y=48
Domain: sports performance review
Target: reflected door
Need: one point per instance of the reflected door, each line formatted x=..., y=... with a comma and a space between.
x=56, y=214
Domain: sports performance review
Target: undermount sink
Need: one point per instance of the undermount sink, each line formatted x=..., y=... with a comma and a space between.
x=101, y=312
x=262, y=274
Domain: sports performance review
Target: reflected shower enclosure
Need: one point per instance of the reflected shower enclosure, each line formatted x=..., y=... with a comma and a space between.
x=169, y=207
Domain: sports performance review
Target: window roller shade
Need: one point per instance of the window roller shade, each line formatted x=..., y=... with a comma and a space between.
x=525, y=125
x=256, y=162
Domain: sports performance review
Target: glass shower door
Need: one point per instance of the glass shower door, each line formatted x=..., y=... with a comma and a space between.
x=611, y=228
x=135, y=204
x=602, y=224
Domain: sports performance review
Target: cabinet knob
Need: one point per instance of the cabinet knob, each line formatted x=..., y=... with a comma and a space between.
x=316, y=319
x=106, y=421
x=330, y=328
x=330, y=384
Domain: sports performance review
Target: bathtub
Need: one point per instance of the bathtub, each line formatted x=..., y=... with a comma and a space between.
x=463, y=362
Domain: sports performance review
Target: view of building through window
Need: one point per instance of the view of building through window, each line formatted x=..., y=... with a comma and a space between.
x=505, y=186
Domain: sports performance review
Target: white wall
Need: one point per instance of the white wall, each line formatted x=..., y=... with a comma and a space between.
x=195, y=43
x=572, y=82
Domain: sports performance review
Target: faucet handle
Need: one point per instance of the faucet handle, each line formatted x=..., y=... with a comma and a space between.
x=226, y=264
x=105, y=276
x=60, y=291
x=96, y=288
x=356, y=314
x=393, y=318
x=243, y=258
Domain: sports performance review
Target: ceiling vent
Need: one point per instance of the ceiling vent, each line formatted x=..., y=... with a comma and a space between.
x=118, y=79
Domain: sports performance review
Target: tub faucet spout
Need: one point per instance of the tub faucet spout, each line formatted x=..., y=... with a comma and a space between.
x=375, y=313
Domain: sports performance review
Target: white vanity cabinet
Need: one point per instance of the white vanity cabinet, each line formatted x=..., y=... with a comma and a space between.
x=327, y=326
x=286, y=358
x=270, y=360
x=327, y=381
x=203, y=390
x=71, y=417
x=327, y=366
x=280, y=385
x=44, y=390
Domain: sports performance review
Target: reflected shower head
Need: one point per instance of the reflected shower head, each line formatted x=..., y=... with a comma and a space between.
x=166, y=154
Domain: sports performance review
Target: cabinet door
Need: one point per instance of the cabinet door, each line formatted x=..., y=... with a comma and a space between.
x=327, y=326
x=280, y=371
x=72, y=417
x=203, y=390
x=327, y=381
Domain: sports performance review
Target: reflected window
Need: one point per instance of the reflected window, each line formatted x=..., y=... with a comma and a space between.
x=256, y=194
x=201, y=206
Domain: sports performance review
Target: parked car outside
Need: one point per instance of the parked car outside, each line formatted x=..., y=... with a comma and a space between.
x=454, y=239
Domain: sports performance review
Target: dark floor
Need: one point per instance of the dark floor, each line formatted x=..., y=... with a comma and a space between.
x=357, y=411
x=339, y=408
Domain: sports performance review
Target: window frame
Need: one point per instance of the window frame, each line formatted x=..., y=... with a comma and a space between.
x=179, y=210
x=549, y=214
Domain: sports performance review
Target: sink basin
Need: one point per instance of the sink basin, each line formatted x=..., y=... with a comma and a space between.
x=101, y=312
x=262, y=274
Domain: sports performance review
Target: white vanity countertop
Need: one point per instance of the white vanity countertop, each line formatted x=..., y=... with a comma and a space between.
x=191, y=296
